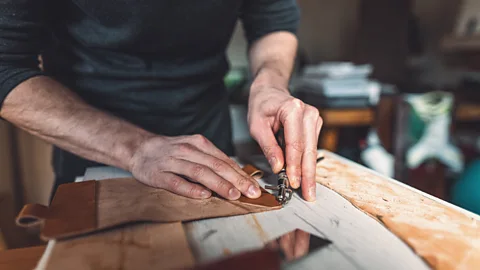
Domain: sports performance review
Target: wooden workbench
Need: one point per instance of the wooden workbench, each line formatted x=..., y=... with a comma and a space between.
x=360, y=241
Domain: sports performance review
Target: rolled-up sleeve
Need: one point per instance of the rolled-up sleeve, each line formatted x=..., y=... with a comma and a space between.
x=21, y=27
x=261, y=17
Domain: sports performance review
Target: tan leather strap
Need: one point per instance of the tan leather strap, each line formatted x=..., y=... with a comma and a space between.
x=32, y=216
x=85, y=207
x=253, y=171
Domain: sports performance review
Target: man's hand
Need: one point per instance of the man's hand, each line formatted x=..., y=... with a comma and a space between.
x=166, y=162
x=269, y=109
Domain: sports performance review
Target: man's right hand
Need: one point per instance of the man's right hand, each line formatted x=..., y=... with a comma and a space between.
x=167, y=162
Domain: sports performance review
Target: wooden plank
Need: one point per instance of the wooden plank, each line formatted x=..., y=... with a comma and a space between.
x=446, y=236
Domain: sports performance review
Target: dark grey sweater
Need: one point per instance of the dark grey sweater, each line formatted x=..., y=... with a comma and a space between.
x=157, y=63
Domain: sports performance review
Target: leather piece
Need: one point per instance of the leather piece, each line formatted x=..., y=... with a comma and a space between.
x=85, y=207
x=253, y=171
x=141, y=246
x=32, y=216
x=160, y=205
x=73, y=211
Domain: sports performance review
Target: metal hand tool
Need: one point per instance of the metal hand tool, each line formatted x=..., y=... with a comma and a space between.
x=284, y=192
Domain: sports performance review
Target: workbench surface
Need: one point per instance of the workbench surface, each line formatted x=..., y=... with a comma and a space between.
x=358, y=240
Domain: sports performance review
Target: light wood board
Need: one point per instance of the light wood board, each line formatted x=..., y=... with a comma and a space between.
x=445, y=236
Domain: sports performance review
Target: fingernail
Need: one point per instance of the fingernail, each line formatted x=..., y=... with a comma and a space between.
x=233, y=193
x=312, y=193
x=253, y=191
x=295, y=183
x=205, y=194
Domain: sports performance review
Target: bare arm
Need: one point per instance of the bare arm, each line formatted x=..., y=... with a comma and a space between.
x=272, y=58
x=271, y=106
x=49, y=110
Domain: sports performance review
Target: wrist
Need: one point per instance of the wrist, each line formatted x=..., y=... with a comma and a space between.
x=268, y=77
x=133, y=147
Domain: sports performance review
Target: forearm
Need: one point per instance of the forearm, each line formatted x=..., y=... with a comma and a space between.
x=272, y=59
x=47, y=109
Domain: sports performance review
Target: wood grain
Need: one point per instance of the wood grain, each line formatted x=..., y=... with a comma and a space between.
x=142, y=246
x=444, y=236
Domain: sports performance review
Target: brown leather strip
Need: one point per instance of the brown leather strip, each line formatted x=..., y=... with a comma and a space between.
x=72, y=211
x=32, y=215
x=85, y=207
x=253, y=171
x=160, y=205
x=266, y=199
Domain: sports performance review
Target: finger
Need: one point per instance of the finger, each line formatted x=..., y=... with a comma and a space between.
x=309, y=159
x=206, y=146
x=180, y=186
x=273, y=245
x=264, y=136
x=302, y=244
x=245, y=184
x=205, y=176
x=287, y=244
x=295, y=143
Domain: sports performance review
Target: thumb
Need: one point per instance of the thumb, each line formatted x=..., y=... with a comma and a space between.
x=270, y=148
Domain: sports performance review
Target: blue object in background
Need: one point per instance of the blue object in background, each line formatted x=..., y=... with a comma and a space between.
x=466, y=191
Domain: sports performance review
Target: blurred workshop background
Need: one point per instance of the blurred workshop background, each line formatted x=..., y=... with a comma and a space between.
x=397, y=83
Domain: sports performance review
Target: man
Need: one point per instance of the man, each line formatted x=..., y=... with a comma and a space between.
x=134, y=83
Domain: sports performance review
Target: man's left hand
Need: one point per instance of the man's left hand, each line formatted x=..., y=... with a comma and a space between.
x=271, y=108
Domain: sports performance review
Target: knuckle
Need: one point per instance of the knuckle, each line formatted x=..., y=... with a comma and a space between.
x=268, y=150
x=312, y=112
x=298, y=145
x=198, y=171
x=218, y=165
x=297, y=104
x=320, y=121
x=192, y=191
x=241, y=181
x=200, y=139
x=222, y=185
x=310, y=152
x=174, y=183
